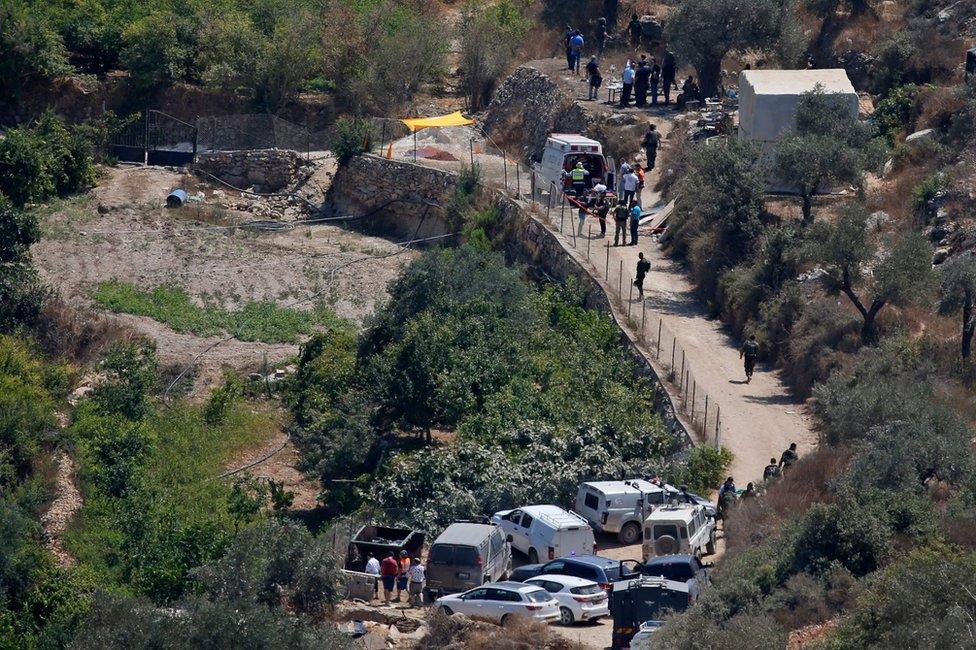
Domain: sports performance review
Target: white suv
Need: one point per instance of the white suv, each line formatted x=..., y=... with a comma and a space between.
x=579, y=599
x=682, y=528
x=498, y=602
x=546, y=532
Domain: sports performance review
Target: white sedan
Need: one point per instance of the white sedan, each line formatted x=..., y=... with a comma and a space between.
x=498, y=602
x=579, y=599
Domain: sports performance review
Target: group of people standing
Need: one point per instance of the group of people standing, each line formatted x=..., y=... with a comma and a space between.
x=727, y=493
x=405, y=574
x=647, y=76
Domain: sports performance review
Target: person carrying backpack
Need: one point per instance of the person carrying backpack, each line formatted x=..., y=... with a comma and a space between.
x=749, y=352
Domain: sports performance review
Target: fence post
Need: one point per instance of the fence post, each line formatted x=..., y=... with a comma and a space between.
x=505, y=168
x=660, y=322
x=705, y=423
x=562, y=210
x=630, y=300
x=683, y=386
x=674, y=342
x=548, y=199
x=694, y=385
x=718, y=430
x=620, y=281
x=145, y=146
x=518, y=181
x=606, y=271
x=643, y=321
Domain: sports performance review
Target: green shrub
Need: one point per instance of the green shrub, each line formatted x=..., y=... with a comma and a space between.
x=893, y=113
x=130, y=373
x=43, y=160
x=705, y=468
x=31, y=49
x=114, y=449
x=351, y=139
x=157, y=50
x=927, y=190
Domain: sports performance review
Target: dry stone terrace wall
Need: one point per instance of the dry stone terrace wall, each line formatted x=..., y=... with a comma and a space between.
x=528, y=107
x=369, y=182
x=266, y=170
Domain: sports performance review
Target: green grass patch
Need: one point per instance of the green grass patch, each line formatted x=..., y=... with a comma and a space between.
x=172, y=515
x=256, y=320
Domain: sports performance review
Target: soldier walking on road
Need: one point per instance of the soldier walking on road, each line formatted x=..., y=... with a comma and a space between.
x=750, y=351
x=620, y=214
x=651, y=142
x=643, y=266
x=789, y=457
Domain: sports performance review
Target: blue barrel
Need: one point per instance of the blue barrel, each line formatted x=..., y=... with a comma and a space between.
x=176, y=199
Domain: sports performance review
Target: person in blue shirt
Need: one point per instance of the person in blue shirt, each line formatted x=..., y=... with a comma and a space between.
x=576, y=48
x=635, y=215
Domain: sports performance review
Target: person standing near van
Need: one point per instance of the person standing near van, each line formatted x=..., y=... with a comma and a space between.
x=630, y=182
x=403, y=577
x=388, y=574
x=635, y=215
x=602, y=210
x=415, y=593
x=620, y=214
x=373, y=569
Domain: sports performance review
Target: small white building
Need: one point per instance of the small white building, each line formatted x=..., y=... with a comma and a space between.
x=768, y=99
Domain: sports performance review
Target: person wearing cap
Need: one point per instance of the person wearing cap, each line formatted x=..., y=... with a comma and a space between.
x=415, y=593
x=402, y=574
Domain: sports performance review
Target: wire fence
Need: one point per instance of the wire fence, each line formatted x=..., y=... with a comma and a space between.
x=700, y=409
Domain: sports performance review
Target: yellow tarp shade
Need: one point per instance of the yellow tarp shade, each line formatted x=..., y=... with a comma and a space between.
x=454, y=119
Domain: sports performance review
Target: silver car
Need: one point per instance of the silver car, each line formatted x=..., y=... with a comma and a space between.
x=499, y=602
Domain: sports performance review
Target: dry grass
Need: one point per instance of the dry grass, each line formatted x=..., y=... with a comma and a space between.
x=805, y=484
x=77, y=335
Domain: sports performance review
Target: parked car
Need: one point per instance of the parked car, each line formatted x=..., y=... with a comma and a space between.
x=680, y=528
x=679, y=568
x=579, y=599
x=620, y=507
x=546, y=531
x=466, y=555
x=498, y=602
x=601, y=570
x=644, y=639
x=636, y=602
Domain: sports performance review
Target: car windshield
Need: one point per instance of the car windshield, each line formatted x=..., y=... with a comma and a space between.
x=672, y=571
x=586, y=590
x=538, y=596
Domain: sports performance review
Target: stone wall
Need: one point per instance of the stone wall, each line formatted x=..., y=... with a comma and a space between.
x=392, y=197
x=264, y=170
x=368, y=184
x=528, y=107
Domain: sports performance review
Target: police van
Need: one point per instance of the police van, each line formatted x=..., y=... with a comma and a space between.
x=563, y=151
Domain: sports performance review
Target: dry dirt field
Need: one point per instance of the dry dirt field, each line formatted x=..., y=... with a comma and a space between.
x=122, y=231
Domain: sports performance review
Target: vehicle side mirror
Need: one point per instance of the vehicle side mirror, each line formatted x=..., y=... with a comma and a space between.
x=508, y=538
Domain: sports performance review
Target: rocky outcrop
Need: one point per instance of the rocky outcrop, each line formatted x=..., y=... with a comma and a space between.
x=264, y=170
x=528, y=107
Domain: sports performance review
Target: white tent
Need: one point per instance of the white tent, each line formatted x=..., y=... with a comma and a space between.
x=768, y=99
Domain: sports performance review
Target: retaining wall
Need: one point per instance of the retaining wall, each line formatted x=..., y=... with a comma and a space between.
x=369, y=182
x=266, y=170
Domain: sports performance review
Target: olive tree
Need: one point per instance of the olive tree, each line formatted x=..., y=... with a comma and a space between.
x=958, y=291
x=828, y=147
x=901, y=275
x=703, y=32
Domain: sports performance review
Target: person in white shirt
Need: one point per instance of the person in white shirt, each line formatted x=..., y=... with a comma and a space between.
x=415, y=593
x=624, y=168
x=373, y=569
x=628, y=78
x=630, y=182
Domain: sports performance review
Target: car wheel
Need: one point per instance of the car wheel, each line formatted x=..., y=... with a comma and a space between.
x=566, y=616
x=506, y=619
x=533, y=556
x=447, y=610
x=629, y=534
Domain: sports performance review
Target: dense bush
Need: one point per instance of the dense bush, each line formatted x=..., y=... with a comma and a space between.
x=31, y=49
x=44, y=159
x=466, y=344
x=489, y=35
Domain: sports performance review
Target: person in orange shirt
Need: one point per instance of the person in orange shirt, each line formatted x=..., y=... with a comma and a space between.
x=640, y=177
x=403, y=577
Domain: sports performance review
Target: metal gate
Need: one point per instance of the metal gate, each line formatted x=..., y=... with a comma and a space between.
x=157, y=139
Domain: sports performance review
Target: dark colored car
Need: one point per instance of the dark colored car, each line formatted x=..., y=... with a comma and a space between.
x=601, y=570
x=678, y=568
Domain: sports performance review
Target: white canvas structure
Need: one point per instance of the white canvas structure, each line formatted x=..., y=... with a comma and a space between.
x=768, y=99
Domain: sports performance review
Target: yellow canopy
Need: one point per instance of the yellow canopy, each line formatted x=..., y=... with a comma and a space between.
x=454, y=119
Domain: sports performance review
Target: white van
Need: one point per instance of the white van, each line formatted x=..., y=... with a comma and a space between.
x=564, y=150
x=681, y=528
x=619, y=507
x=546, y=532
